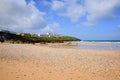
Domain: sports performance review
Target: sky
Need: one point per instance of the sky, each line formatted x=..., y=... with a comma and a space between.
x=84, y=19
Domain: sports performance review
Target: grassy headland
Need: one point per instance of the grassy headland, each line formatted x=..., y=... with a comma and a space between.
x=13, y=37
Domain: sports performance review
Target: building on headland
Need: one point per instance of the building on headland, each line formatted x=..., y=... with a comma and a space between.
x=47, y=35
x=24, y=34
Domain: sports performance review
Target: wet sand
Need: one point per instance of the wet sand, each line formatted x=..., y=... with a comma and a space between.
x=98, y=45
x=34, y=62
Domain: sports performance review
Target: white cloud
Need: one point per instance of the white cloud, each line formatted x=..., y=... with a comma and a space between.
x=16, y=15
x=51, y=28
x=98, y=9
x=56, y=5
x=70, y=9
x=93, y=10
x=74, y=12
x=44, y=2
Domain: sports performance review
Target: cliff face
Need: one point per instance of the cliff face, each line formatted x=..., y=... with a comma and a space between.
x=8, y=36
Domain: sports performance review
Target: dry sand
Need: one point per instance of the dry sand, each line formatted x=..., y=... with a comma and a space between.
x=33, y=62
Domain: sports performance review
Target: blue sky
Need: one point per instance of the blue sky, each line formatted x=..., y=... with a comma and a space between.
x=85, y=19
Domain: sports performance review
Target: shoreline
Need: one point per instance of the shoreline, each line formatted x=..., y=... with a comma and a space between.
x=87, y=45
x=78, y=45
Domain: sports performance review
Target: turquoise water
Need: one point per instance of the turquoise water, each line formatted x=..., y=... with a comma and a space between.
x=101, y=40
x=99, y=44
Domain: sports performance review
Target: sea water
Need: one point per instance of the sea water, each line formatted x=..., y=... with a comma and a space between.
x=99, y=44
x=102, y=41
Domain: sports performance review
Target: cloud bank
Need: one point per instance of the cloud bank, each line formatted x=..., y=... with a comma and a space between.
x=68, y=8
x=98, y=9
x=17, y=16
x=93, y=10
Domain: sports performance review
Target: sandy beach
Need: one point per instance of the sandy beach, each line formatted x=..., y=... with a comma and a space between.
x=34, y=62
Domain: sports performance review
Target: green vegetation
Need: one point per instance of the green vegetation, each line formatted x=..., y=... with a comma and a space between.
x=32, y=39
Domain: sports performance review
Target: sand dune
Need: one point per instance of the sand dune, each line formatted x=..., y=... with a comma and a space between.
x=33, y=62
